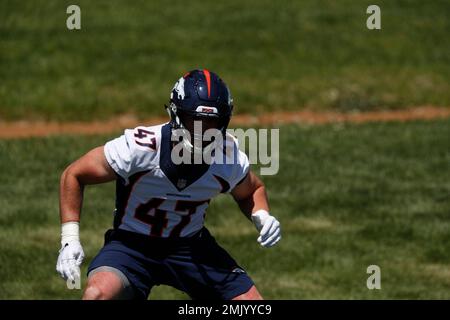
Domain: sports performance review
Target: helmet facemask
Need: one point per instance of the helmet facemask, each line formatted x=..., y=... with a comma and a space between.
x=192, y=125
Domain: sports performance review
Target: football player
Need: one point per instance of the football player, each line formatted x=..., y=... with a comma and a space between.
x=158, y=235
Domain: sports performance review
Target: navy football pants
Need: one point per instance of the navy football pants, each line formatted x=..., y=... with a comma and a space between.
x=196, y=265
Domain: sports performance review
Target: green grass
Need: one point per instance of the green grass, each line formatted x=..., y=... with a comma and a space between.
x=347, y=196
x=289, y=54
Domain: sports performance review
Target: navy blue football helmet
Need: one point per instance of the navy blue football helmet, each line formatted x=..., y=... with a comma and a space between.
x=200, y=93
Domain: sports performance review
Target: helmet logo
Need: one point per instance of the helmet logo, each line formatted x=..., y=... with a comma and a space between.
x=179, y=89
x=230, y=98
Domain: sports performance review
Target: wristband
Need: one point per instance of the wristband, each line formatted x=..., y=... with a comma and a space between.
x=70, y=231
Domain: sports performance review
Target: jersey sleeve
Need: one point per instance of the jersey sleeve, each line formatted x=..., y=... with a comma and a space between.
x=241, y=167
x=132, y=152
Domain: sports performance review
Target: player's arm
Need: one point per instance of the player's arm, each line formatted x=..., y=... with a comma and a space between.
x=251, y=197
x=92, y=168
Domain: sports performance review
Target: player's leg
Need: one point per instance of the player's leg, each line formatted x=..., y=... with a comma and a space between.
x=106, y=283
x=251, y=294
x=119, y=271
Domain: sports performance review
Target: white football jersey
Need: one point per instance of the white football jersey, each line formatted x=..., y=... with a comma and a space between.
x=157, y=198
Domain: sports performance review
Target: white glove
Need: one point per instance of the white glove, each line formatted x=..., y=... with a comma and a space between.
x=71, y=254
x=268, y=227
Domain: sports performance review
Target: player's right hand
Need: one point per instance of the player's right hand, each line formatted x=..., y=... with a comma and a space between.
x=70, y=258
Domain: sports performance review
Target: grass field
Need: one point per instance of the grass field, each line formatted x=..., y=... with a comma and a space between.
x=347, y=196
x=289, y=54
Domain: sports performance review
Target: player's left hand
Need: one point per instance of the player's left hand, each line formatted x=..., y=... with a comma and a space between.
x=268, y=227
